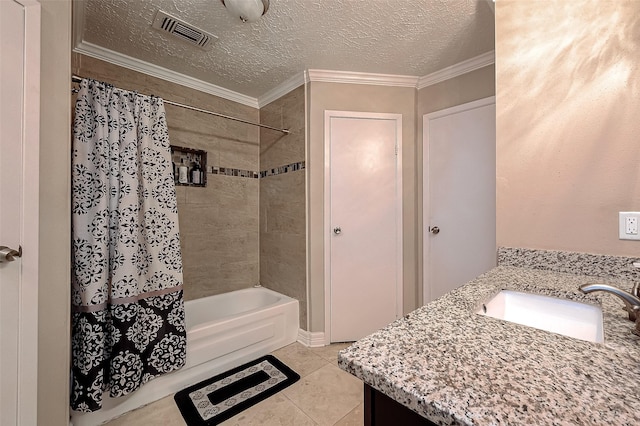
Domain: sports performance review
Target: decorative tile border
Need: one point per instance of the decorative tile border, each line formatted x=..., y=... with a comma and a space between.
x=227, y=171
x=597, y=265
x=293, y=167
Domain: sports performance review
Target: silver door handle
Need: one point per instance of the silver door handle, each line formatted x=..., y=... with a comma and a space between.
x=8, y=254
x=434, y=230
x=337, y=230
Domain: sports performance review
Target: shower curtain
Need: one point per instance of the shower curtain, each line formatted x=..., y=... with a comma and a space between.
x=128, y=322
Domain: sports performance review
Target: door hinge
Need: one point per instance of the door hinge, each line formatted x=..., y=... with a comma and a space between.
x=396, y=149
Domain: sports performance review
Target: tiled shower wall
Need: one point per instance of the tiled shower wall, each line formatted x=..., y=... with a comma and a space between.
x=219, y=224
x=282, y=199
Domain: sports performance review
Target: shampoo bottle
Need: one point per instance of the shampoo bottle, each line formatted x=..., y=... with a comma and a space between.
x=195, y=174
x=183, y=172
x=175, y=168
x=175, y=171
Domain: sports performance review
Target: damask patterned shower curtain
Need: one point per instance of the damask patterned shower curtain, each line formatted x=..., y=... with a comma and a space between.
x=128, y=321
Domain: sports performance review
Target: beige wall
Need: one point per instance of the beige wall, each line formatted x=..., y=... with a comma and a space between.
x=366, y=98
x=568, y=104
x=219, y=224
x=55, y=213
x=474, y=85
x=282, y=200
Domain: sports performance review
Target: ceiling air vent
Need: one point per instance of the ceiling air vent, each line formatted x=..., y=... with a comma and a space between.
x=180, y=29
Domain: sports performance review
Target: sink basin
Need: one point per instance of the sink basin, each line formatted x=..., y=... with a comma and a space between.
x=574, y=319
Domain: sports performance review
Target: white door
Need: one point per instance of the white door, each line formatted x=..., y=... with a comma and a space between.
x=459, y=195
x=363, y=211
x=19, y=122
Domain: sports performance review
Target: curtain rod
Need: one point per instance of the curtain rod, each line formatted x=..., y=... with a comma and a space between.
x=78, y=79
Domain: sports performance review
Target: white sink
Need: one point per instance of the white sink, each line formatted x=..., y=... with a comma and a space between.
x=562, y=316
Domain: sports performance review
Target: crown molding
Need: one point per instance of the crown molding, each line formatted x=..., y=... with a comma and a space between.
x=460, y=68
x=283, y=88
x=134, y=64
x=77, y=29
x=287, y=86
x=329, y=76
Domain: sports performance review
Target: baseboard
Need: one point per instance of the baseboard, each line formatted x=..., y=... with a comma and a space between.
x=311, y=339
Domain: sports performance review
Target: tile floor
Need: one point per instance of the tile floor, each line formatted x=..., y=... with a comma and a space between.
x=324, y=396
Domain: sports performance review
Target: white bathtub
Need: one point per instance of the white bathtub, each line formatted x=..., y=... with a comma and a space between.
x=223, y=331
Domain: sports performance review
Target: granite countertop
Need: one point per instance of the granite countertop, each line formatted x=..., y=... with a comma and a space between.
x=456, y=367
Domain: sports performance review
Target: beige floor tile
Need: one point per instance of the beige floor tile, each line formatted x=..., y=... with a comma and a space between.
x=354, y=418
x=300, y=359
x=160, y=413
x=274, y=411
x=330, y=352
x=323, y=396
x=326, y=395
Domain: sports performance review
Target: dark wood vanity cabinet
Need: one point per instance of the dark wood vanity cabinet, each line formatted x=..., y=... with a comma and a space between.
x=380, y=410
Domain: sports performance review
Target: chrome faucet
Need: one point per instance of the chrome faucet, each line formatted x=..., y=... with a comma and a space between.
x=636, y=290
x=631, y=301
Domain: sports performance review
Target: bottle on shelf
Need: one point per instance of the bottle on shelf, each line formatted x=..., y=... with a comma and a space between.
x=183, y=172
x=196, y=174
x=175, y=168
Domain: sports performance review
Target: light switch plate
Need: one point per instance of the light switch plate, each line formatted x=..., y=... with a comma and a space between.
x=628, y=225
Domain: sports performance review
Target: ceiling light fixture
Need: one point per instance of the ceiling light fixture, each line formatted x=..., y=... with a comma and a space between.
x=246, y=10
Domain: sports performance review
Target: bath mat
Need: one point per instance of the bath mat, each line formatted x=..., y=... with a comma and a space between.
x=219, y=398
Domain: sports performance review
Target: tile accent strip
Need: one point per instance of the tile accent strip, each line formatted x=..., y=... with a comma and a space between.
x=227, y=171
x=300, y=165
x=597, y=265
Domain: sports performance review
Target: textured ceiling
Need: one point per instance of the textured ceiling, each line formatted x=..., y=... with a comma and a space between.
x=403, y=37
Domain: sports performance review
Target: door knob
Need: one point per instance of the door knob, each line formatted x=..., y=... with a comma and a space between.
x=337, y=230
x=434, y=230
x=8, y=254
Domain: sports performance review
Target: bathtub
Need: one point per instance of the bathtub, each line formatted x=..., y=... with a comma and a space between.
x=223, y=331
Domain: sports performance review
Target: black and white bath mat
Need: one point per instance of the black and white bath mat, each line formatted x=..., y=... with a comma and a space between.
x=219, y=398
